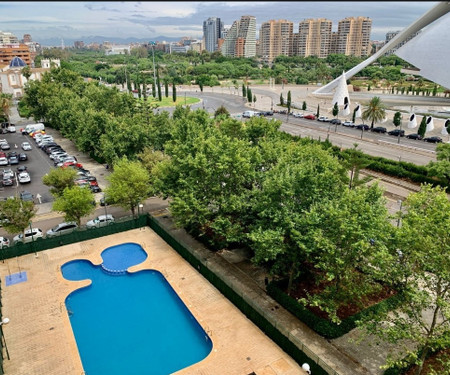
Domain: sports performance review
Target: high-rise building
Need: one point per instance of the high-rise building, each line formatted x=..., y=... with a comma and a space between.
x=27, y=38
x=241, y=38
x=9, y=51
x=353, y=36
x=275, y=38
x=314, y=38
x=212, y=31
x=8, y=38
x=392, y=34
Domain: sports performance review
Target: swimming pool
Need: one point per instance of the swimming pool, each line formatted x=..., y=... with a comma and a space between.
x=131, y=323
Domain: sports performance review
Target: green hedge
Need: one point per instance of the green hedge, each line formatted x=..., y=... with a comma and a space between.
x=320, y=325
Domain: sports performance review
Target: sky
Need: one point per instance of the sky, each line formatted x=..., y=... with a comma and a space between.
x=71, y=21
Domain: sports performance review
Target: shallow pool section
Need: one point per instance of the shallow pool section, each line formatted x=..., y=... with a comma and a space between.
x=131, y=323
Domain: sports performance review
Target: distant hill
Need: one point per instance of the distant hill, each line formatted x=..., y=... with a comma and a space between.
x=56, y=42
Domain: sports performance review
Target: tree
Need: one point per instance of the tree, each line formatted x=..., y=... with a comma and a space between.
x=153, y=89
x=422, y=127
x=200, y=84
x=16, y=214
x=26, y=72
x=129, y=184
x=304, y=174
x=340, y=247
x=304, y=106
x=75, y=202
x=397, y=121
x=420, y=270
x=174, y=92
x=166, y=88
x=354, y=114
x=158, y=84
x=288, y=101
x=335, y=110
x=441, y=168
x=249, y=95
x=375, y=112
x=244, y=91
x=318, y=110
x=281, y=99
x=254, y=99
x=5, y=104
x=59, y=179
x=221, y=111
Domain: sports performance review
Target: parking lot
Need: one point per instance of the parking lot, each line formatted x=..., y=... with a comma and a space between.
x=39, y=164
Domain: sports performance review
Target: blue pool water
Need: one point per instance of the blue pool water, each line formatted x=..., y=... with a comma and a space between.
x=131, y=323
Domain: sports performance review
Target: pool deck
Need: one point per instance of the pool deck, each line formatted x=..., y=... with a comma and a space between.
x=39, y=336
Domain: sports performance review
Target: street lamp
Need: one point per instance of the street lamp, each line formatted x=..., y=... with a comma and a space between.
x=141, y=208
x=306, y=367
x=4, y=321
x=104, y=202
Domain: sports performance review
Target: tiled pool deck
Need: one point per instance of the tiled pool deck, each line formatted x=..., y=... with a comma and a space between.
x=39, y=336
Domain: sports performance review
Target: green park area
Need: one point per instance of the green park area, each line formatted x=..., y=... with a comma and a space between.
x=168, y=102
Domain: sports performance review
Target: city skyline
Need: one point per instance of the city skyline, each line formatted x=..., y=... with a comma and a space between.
x=149, y=20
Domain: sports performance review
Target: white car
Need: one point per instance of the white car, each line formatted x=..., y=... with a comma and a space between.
x=8, y=173
x=3, y=161
x=32, y=234
x=323, y=119
x=26, y=146
x=63, y=228
x=11, y=129
x=100, y=221
x=349, y=124
x=4, y=243
x=24, y=177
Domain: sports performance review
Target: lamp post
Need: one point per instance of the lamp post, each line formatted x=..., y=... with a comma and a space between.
x=104, y=201
x=4, y=321
x=306, y=368
x=141, y=208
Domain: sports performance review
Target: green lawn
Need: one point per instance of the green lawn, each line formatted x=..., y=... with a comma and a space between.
x=168, y=102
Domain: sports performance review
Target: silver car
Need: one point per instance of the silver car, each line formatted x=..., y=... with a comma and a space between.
x=63, y=228
x=100, y=221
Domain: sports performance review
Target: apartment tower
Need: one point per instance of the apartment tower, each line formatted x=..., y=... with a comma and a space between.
x=275, y=38
x=241, y=38
x=212, y=32
x=314, y=38
x=353, y=36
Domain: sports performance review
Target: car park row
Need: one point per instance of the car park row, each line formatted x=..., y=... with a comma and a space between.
x=34, y=234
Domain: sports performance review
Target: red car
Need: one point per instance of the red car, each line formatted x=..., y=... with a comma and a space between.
x=71, y=164
x=310, y=117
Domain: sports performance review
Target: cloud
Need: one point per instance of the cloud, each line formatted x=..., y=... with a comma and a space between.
x=103, y=8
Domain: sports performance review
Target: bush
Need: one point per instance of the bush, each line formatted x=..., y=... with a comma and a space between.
x=322, y=326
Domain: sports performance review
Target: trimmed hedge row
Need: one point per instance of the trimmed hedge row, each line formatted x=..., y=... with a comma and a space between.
x=320, y=325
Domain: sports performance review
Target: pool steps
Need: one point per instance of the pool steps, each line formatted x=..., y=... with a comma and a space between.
x=113, y=272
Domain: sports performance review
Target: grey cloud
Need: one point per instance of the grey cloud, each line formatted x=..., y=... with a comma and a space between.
x=91, y=7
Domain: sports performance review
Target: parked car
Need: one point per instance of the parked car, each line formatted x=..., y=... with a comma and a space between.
x=26, y=146
x=433, y=139
x=323, y=119
x=3, y=161
x=397, y=132
x=24, y=178
x=336, y=121
x=11, y=128
x=26, y=196
x=13, y=160
x=32, y=234
x=414, y=136
x=7, y=181
x=349, y=124
x=8, y=173
x=105, y=201
x=298, y=115
x=267, y=113
x=4, y=243
x=310, y=117
x=100, y=221
x=62, y=228
x=23, y=157
x=21, y=168
x=5, y=146
x=378, y=129
x=362, y=126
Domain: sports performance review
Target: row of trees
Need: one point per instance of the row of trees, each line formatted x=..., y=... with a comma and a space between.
x=211, y=68
x=289, y=200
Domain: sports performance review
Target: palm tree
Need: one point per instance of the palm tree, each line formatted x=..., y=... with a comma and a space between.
x=376, y=111
x=5, y=104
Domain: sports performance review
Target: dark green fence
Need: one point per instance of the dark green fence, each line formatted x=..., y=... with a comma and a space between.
x=120, y=225
x=255, y=316
x=1, y=333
